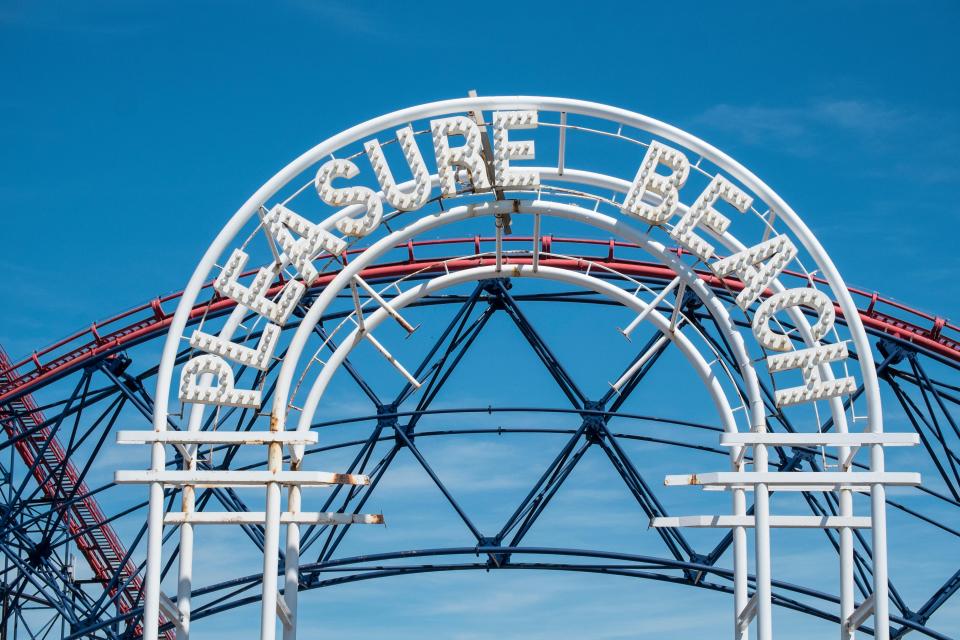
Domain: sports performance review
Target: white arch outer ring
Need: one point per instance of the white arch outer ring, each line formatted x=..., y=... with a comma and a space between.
x=589, y=109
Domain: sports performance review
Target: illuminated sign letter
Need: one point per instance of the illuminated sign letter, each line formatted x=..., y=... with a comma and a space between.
x=282, y=223
x=802, y=297
x=757, y=267
x=258, y=358
x=504, y=150
x=344, y=196
x=254, y=297
x=468, y=157
x=666, y=187
x=396, y=197
x=809, y=361
x=222, y=393
x=702, y=212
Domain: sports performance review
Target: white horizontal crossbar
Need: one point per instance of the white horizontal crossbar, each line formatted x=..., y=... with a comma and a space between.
x=216, y=437
x=856, y=488
x=775, y=480
x=259, y=517
x=206, y=478
x=828, y=439
x=783, y=522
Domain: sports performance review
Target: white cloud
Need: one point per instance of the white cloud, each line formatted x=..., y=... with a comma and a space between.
x=792, y=127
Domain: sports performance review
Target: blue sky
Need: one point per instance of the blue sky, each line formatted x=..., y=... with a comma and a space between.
x=131, y=130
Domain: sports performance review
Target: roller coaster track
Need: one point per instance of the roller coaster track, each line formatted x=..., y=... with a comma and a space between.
x=930, y=333
x=57, y=476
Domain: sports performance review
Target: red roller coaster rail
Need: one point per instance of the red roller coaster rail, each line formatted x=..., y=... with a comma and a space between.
x=931, y=333
x=97, y=541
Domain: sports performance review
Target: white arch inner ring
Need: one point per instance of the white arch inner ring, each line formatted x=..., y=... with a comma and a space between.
x=703, y=369
x=571, y=212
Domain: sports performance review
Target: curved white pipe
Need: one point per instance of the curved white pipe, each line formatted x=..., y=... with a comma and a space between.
x=570, y=212
x=575, y=278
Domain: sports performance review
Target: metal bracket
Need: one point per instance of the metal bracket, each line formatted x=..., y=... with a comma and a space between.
x=170, y=611
x=477, y=117
x=650, y=308
x=393, y=313
x=860, y=614
x=284, y=613
x=748, y=614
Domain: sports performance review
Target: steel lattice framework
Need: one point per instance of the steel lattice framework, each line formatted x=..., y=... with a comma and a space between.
x=62, y=407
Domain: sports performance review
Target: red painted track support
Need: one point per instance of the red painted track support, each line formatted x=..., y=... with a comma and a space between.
x=94, y=537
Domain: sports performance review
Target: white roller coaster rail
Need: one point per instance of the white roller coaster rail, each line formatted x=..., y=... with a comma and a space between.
x=481, y=179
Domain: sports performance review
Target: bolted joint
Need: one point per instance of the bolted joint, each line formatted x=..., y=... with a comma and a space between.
x=894, y=351
x=593, y=423
x=690, y=302
x=40, y=553
x=495, y=288
x=798, y=456
x=387, y=419
x=494, y=560
x=117, y=363
x=387, y=416
x=696, y=576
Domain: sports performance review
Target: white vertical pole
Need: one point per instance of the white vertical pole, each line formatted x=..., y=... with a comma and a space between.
x=878, y=506
x=188, y=497
x=185, y=582
x=151, y=600
x=846, y=562
x=844, y=456
x=271, y=543
x=271, y=553
x=292, y=564
x=762, y=532
x=740, y=568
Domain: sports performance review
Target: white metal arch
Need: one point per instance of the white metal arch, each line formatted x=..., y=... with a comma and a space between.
x=622, y=116
x=798, y=229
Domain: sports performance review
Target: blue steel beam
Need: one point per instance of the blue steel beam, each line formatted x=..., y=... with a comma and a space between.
x=540, y=347
x=676, y=542
x=336, y=535
x=644, y=564
x=937, y=600
x=17, y=495
x=443, y=368
x=913, y=415
x=457, y=324
x=596, y=428
x=537, y=505
x=929, y=385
